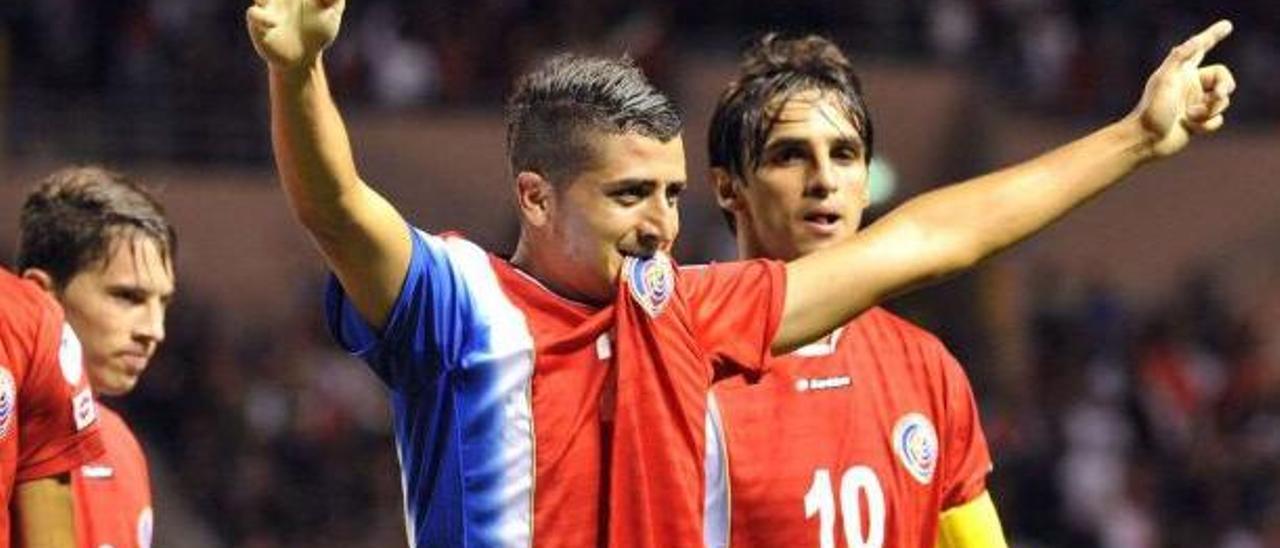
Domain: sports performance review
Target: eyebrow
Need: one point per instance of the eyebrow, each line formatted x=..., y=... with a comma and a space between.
x=841, y=141
x=620, y=184
x=139, y=288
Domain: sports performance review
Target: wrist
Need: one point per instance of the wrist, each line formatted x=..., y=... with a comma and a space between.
x=297, y=73
x=1135, y=140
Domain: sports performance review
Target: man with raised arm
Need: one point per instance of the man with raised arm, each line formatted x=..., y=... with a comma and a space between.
x=869, y=436
x=559, y=398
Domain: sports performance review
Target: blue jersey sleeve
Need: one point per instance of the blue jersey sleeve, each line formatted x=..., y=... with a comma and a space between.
x=430, y=322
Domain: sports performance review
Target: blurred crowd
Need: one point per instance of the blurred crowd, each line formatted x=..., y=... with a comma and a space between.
x=184, y=71
x=1142, y=428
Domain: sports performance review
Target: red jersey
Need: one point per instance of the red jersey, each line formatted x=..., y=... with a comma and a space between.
x=113, y=492
x=862, y=439
x=47, y=413
x=522, y=418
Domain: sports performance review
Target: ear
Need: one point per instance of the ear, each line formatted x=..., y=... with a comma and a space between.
x=727, y=196
x=41, y=278
x=534, y=198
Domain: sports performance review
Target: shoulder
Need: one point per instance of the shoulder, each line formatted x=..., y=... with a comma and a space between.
x=884, y=326
x=712, y=275
x=24, y=303
x=31, y=322
x=118, y=436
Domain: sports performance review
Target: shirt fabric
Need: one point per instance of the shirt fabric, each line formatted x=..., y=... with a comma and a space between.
x=48, y=418
x=113, y=492
x=523, y=418
x=861, y=439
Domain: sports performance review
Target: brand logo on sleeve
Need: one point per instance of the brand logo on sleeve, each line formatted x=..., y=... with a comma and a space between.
x=652, y=282
x=70, y=356
x=916, y=443
x=8, y=401
x=84, y=409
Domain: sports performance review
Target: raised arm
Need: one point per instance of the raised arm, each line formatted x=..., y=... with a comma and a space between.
x=948, y=230
x=363, y=238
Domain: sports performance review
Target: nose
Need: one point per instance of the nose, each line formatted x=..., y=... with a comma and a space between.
x=661, y=222
x=822, y=179
x=150, y=327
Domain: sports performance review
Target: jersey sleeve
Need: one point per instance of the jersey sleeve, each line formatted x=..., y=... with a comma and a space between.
x=431, y=320
x=968, y=460
x=737, y=308
x=58, y=428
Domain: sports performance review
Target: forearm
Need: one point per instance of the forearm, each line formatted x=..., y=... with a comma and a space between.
x=312, y=149
x=363, y=238
x=961, y=224
x=948, y=230
x=45, y=513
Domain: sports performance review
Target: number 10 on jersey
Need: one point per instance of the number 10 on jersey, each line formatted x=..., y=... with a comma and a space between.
x=863, y=527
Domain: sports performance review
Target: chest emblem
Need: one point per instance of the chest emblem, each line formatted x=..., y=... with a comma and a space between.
x=915, y=442
x=652, y=282
x=8, y=401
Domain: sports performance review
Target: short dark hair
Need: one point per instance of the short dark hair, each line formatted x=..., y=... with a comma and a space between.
x=553, y=110
x=773, y=69
x=70, y=220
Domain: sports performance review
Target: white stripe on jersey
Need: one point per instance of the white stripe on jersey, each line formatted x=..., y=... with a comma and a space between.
x=509, y=353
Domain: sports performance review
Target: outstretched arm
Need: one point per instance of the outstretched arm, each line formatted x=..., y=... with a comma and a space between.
x=363, y=238
x=948, y=230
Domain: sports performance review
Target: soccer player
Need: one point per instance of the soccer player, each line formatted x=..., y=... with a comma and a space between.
x=559, y=397
x=102, y=246
x=869, y=436
x=48, y=420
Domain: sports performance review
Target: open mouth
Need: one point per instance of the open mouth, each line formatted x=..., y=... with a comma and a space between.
x=822, y=219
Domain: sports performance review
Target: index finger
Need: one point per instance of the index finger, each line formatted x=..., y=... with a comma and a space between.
x=1194, y=49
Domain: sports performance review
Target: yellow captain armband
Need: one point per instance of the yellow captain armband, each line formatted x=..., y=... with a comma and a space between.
x=974, y=524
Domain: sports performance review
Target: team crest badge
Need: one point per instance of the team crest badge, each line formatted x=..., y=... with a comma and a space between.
x=915, y=442
x=652, y=281
x=8, y=401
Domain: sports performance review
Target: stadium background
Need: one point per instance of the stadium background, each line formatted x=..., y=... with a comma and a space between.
x=1127, y=362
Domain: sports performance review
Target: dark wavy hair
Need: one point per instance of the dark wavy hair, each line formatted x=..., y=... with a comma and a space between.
x=72, y=218
x=773, y=69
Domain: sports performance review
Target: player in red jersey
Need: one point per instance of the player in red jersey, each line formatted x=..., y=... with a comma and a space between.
x=48, y=421
x=101, y=245
x=611, y=380
x=869, y=436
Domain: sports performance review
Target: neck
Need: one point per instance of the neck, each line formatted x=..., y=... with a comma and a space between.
x=542, y=269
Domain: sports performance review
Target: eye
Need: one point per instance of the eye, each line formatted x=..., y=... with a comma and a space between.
x=129, y=296
x=673, y=193
x=847, y=153
x=788, y=154
x=631, y=194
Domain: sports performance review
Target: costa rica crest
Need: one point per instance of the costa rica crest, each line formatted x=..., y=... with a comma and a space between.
x=8, y=401
x=915, y=442
x=652, y=281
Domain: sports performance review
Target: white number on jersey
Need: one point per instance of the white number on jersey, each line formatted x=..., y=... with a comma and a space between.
x=854, y=484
